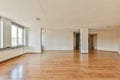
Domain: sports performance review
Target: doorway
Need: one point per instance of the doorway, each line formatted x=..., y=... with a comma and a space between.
x=92, y=41
x=76, y=41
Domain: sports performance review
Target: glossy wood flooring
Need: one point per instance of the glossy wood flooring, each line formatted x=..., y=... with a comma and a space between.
x=62, y=65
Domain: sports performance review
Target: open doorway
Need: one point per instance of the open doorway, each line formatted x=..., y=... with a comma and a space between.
x=92, y=41
x=76, y=41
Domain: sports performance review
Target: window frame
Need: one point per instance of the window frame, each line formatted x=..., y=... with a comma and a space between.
x=1, y=33
x=18, y=27
x=21, y=35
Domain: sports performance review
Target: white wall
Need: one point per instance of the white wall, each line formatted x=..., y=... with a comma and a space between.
x=34, y=39
x=107, y=40
x=118, y=40
x=57, y=40
x=7, y=54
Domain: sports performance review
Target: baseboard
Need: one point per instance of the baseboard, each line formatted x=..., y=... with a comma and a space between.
x=118, y=53
x=33, y=52
x=108, y=51
x=58, y=50
x=11, y=58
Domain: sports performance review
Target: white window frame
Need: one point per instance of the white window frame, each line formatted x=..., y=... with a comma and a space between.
x=18, y=26
x=1, y=34
x=18, y=36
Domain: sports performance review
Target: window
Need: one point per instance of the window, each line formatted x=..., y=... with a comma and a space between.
x=17, y=35
x=1, y=34
x=20, y=36
x=14, y=35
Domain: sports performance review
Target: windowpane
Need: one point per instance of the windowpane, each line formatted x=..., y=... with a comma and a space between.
x=1, y=34
x=14, y=35
x=20, y=36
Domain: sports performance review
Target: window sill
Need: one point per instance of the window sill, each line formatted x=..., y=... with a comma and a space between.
x=9, y=48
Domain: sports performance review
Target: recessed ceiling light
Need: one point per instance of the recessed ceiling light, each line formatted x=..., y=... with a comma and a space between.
x=37, y=19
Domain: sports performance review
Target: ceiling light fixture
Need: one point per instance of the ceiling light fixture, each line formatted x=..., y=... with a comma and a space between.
x=37, y=19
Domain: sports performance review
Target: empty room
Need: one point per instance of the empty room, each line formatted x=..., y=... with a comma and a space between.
x=59, y=39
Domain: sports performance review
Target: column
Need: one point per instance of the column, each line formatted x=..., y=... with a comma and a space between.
x=84, y=40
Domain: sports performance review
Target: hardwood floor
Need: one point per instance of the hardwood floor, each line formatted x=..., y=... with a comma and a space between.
x=62, y=66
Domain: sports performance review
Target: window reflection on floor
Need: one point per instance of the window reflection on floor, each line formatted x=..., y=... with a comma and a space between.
x=84, y=58
x=17, y=73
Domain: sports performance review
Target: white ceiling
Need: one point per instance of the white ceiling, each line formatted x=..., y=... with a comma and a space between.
x=63, y=14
